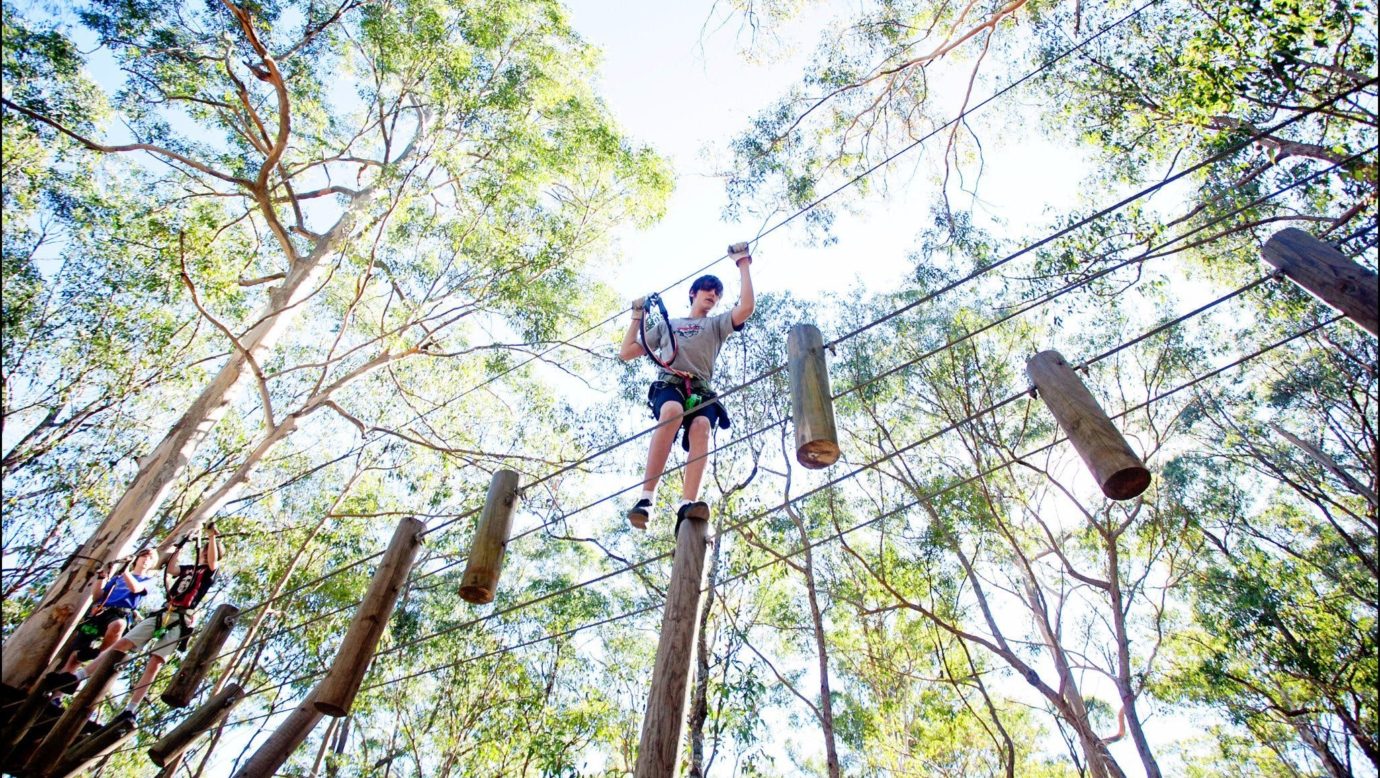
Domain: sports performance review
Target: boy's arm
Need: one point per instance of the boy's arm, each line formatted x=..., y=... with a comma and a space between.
x=631, y=349
x=212, y=548
x=132, y=583
x=171, y=566
x=747, y=302
x=98, y=588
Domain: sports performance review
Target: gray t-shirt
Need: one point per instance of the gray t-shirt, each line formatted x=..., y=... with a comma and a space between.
x=698, y=342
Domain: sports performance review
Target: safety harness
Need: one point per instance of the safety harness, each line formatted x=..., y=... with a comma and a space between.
x=177, y=611
x=692, y=398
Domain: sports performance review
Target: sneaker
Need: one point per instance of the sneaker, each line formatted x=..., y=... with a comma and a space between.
x=60, y=682
x=699, y=509
x=638, y=514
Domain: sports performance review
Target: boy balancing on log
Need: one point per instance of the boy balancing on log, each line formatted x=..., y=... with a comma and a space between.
x=680, y=398
x=115, y=608
x=171, y=627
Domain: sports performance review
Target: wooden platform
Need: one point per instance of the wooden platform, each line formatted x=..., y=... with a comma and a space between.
x=11, y=701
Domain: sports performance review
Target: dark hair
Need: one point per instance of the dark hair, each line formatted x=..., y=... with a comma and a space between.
x=706, y=282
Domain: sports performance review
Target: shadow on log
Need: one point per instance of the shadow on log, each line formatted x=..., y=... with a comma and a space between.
x=659, y=750
x=65, y=731
x=92, y=749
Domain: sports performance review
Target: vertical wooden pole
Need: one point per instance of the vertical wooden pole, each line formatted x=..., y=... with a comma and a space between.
x=812, y=406
x=485, y=563
x=1327, y=275
x=336, y=692
x=198, y=721
x=88, y=751
x=1114, y=465
x=661, y=725
x=204, y=650
x=70, y=724
x=284, y=740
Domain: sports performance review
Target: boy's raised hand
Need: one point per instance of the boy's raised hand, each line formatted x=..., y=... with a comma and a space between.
x=739, y=252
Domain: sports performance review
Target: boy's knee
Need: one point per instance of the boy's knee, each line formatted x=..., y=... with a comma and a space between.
x=671, y=410
x=699, y=429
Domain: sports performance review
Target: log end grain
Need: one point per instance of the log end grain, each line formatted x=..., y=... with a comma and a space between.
x=477, y=594
x=1127, y=483
x=331, y=709
x=818, y=454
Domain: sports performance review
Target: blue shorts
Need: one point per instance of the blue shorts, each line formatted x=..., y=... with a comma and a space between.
x=661, y=393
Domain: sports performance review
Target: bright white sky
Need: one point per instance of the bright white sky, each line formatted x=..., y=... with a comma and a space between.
x=679, y=82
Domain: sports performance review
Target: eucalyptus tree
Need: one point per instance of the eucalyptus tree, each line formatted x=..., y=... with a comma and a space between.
x=1287, y=88
x=1288, y=574
x=373, y=172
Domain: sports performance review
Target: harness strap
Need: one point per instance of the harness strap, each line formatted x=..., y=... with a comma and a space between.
x=651, y=299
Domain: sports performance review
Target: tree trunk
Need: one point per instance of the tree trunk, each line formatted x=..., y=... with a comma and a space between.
x=1123, y=661
x=32, y=645
x=1100, y=763
x=826, y=703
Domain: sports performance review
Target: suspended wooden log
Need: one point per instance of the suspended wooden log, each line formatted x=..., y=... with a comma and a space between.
x=203, y=718
x=284, y=740
x=485, y=563
x=812, y=406
x=336, y=692
x=90, y=750
x=70, y=724
x=1114, y=465
x=1328, y=275
x=199, y=657
x=659, y=751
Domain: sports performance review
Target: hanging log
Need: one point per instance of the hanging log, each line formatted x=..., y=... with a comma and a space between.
x=284, y=740
x=1117, y=469
x=659, y=751
x=199, y=657
x=812, y=405
x=203, y=718
x=336, y=692
x=1327, y=274
x=485, y=563
x=90, y=750
x=70, y=724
